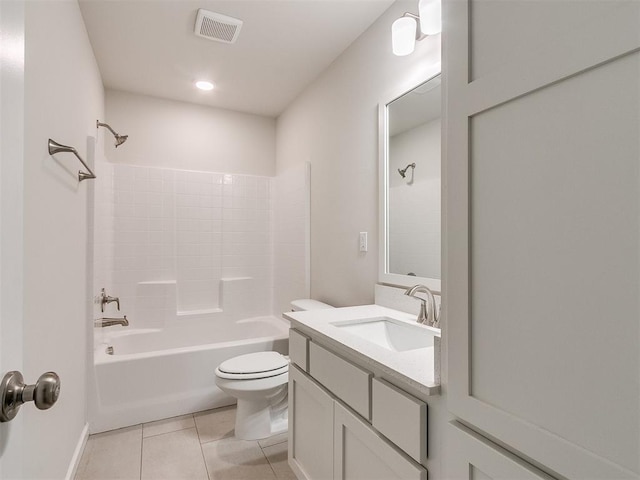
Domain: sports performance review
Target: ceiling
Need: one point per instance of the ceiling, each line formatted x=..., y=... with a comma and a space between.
x=148, y=47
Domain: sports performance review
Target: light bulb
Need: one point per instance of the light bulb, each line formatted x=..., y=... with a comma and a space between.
x=403, y=36
x=430, y=12
x=204, y=85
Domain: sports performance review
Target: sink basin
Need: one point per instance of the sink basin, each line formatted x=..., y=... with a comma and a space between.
x=389, y=333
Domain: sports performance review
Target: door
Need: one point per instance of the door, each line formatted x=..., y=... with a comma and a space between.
x=310, y=427
x=360, y=453
x=543, y=218
x=11, y=208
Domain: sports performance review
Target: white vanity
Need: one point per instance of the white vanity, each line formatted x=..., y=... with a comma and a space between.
x=358, y=389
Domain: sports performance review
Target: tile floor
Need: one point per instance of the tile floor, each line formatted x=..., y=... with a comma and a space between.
x=189, y=447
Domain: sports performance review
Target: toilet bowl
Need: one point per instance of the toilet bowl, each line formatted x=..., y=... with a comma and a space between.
x=259, y=382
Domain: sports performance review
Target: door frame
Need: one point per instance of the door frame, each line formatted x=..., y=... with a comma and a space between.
x=12, y=51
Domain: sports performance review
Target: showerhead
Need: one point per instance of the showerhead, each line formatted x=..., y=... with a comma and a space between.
x=403, y=171
x=120, y=139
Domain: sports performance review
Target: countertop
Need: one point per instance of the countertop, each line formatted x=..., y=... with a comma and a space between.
x=420, y=368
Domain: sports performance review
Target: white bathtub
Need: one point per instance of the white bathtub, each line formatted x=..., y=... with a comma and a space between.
x=155, y=374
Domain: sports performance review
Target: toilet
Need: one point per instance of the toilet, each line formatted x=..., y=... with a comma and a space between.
x=259, y=382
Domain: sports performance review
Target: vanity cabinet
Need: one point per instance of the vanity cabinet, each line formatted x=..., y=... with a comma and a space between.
x=341, y=421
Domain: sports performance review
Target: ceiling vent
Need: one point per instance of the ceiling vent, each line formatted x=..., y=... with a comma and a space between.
x=215, y=26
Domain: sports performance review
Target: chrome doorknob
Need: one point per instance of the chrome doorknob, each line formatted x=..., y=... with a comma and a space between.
x=14, y=393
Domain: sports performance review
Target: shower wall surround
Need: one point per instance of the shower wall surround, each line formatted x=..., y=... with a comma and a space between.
x=414, y=218
x=170, y=241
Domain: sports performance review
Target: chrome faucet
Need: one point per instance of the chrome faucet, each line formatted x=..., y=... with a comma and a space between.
x=106, y=299
x=108, y=322
x=428, y=314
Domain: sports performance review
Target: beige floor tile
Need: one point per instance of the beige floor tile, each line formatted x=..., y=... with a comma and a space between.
x=274, y=440
x=175, y=456
x=215, y=424
x=277, y=456
x=112, y=455
x=168, y=425
x=233, y=459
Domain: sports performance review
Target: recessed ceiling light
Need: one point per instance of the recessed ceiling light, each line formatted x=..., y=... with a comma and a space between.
x=204, y=85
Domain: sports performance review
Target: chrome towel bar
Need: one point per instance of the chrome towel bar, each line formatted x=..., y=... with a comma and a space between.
x=55, y=147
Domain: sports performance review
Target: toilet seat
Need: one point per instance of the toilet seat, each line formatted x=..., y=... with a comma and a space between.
x=253, y=366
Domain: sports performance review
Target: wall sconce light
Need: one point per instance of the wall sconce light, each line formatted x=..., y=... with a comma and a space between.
x=405, y=32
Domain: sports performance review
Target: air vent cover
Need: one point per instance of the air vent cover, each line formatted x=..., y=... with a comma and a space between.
x=215, y=26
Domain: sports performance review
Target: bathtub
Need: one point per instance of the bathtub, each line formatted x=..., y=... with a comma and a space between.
x=154, y=374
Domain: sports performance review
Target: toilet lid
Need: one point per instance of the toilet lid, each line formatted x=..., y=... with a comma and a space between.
x=259, y=362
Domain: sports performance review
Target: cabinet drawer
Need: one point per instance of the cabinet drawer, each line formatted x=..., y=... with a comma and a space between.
x=298, y=349
x=473, y=457
x=347, y=381
x=401, y=418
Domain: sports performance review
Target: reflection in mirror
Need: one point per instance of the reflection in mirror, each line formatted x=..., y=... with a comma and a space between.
x=413, y=184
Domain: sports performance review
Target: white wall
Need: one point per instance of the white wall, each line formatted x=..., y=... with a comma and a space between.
x=334, y=125
x=291, y=237
x=167, y=133
x=63, y=98
x=414, y=201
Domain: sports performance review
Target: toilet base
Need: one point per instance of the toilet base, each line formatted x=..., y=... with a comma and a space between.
x=262, y=418
x=257, y=420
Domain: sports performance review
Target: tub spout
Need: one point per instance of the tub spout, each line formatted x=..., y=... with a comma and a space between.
x=108, y=322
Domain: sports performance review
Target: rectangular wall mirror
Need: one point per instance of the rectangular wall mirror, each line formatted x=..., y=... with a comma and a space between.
x=410, y=181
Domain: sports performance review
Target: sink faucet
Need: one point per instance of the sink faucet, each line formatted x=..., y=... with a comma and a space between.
x=428, y=314
x=108, y=322
x=106, y=299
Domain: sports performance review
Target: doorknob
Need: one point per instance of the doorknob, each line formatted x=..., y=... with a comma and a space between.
x=14, y=392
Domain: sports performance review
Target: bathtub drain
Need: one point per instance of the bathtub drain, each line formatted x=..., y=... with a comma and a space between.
x=109, y=350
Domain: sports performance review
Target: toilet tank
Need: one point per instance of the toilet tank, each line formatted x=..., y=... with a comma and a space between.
x=308, y=304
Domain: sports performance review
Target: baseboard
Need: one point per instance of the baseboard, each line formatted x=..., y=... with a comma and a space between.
x=77, y=454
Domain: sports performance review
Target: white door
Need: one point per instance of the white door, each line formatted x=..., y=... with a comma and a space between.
x=310, y=427
x=360, y=453
x=543, y=229
x=11, y=208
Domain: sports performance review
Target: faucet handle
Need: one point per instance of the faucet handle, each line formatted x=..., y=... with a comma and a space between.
x=105, y=299
x=115, y=299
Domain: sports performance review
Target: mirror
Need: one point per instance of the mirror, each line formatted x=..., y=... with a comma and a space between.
x=410, y=181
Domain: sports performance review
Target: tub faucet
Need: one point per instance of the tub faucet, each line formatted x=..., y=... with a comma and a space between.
x=108, y=322
x=428, y=314
x=106, y=299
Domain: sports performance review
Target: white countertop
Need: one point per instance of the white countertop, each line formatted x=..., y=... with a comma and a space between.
x=415, y=367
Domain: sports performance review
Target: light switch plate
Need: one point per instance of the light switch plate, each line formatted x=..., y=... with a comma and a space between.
x=363, y=242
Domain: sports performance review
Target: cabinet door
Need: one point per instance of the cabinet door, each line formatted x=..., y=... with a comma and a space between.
x=362, y=454
x=543, y=229
x=310, y=428
x=472, y=457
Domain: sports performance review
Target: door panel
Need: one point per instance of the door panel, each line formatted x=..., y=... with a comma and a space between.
x=360, y=453
x=310, y=427
x=475, y=458
x=543, y=222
